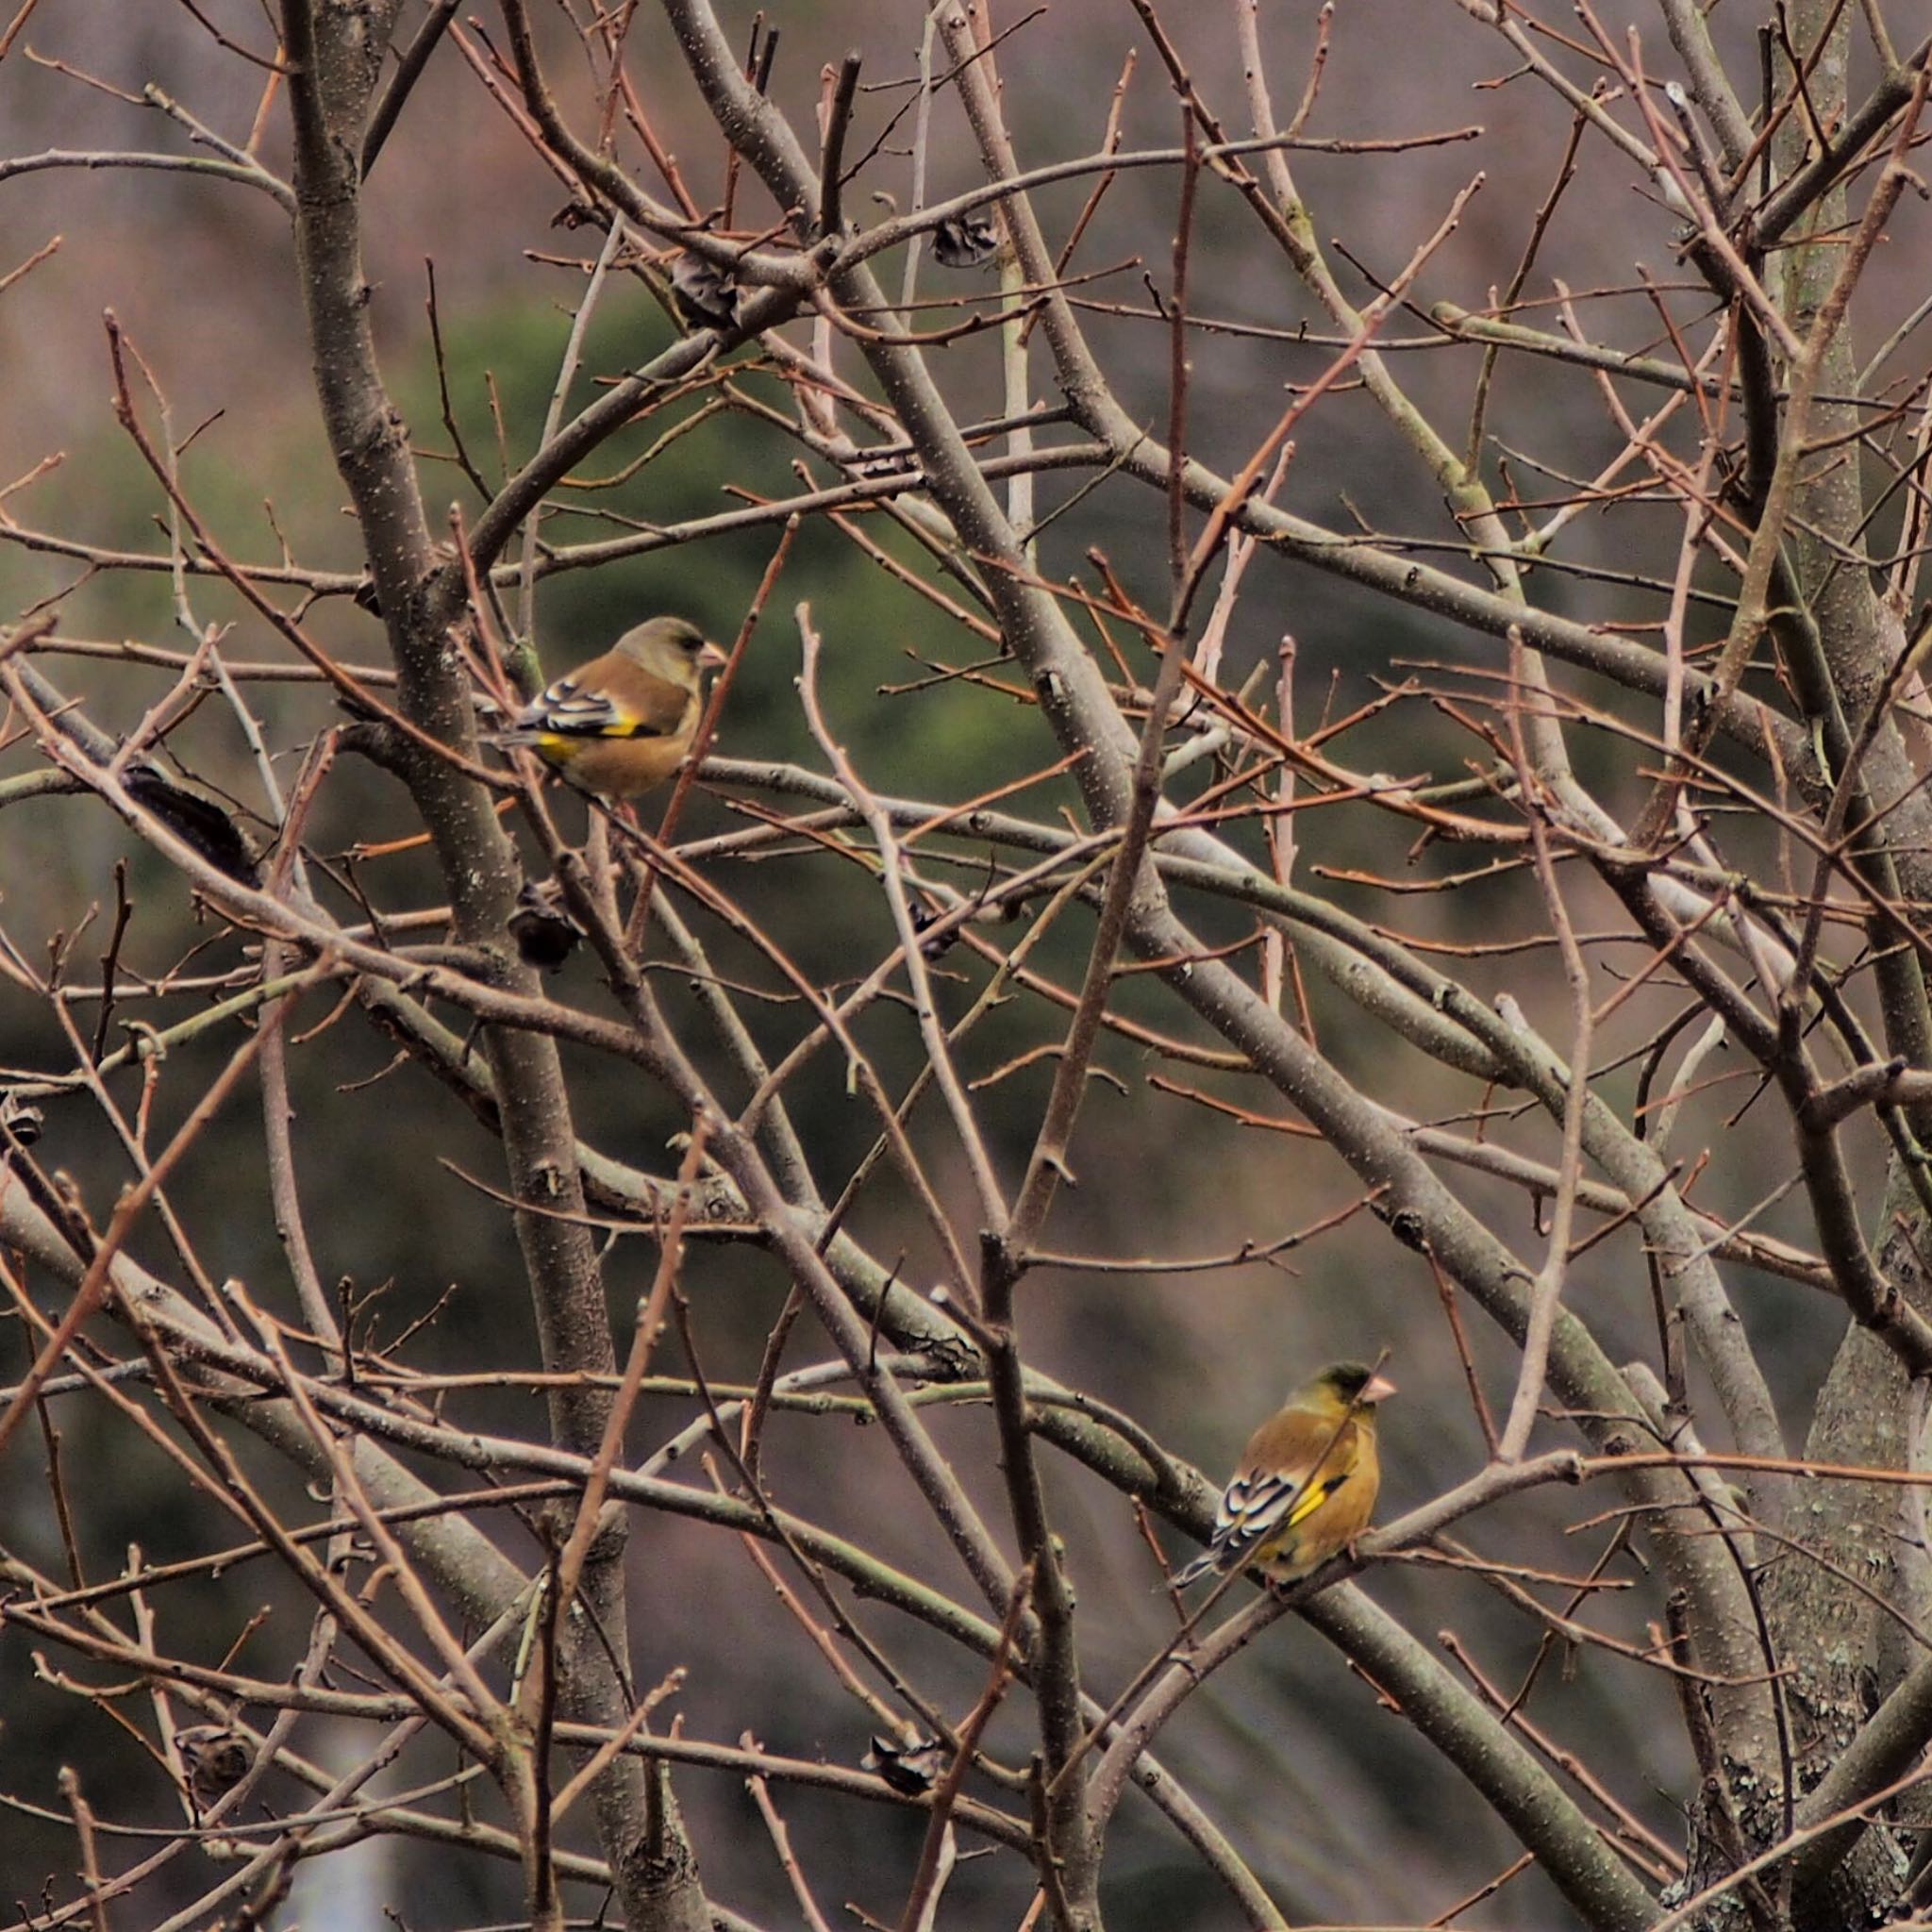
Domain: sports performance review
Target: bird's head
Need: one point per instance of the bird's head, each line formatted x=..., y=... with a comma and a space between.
x=1354, y=1385
x=672, y=648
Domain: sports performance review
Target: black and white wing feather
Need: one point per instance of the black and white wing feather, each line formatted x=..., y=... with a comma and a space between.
x=566, y=709
x=1260, y=1507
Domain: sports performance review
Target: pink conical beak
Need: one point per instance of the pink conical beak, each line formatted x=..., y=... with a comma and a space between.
x=1378, y=1390
x=711, y=657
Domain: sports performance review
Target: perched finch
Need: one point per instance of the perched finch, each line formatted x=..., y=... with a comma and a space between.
x=623, y=722
x=1305, y=1486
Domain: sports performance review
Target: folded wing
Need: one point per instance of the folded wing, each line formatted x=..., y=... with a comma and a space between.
x=573, y=708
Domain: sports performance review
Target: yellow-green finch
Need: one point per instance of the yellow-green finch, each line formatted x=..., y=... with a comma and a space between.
x=1305, y=1487
x=623, y=722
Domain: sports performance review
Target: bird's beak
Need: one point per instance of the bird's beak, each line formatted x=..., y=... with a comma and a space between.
x=1379, y=1389
x=711, y=657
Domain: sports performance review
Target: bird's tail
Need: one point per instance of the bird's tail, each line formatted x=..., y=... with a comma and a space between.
x=1203, y=1565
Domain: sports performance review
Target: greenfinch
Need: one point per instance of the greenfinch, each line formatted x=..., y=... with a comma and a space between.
x=1305, y=1487
x=216, y=1759
x=623, y=723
